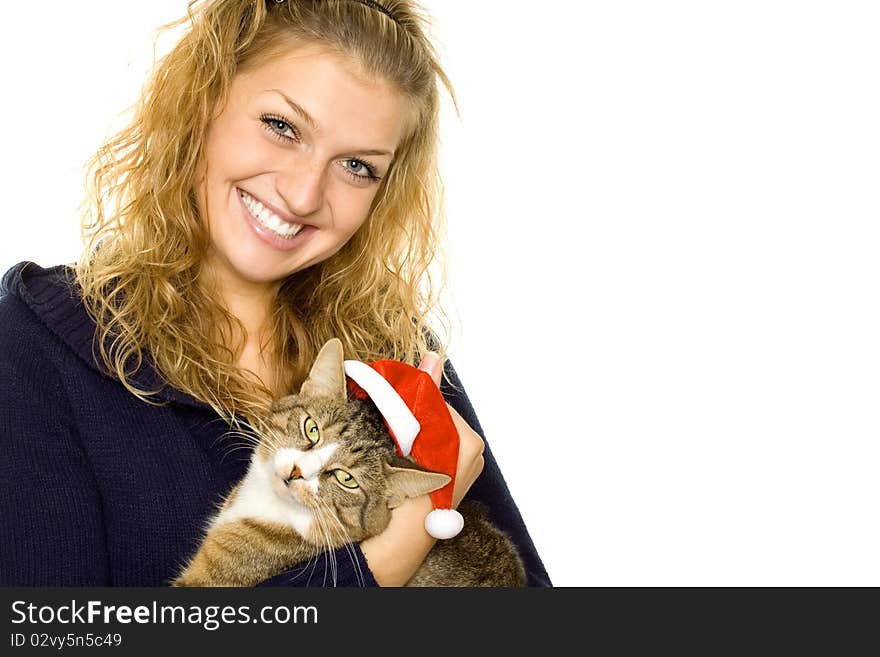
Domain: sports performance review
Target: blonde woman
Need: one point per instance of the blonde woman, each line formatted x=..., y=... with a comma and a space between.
x=277, y=187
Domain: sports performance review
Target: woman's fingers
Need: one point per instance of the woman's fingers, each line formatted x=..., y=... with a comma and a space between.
x=470, y=440
x=470, y=457
x=431, y=364
x=470, y=448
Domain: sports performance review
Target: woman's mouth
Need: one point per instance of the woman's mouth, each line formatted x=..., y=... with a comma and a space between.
x=269, y=219
x=269, y=227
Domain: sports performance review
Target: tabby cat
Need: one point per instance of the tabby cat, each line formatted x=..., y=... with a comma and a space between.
x=326, y=473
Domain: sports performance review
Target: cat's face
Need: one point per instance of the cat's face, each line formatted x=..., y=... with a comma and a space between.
x=332, y=460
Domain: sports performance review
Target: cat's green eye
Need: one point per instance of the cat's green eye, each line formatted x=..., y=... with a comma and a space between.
x=345, y=479
x=312, y=431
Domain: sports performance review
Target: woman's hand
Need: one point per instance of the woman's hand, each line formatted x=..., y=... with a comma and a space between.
x=396, y=553
x=470, y=450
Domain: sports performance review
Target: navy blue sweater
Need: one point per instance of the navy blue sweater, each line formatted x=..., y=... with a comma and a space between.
x=98, y=488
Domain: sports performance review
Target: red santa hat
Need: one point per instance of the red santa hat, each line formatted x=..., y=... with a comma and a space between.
x=419, y=421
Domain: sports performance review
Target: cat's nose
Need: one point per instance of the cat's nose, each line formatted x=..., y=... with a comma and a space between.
x=296, y=473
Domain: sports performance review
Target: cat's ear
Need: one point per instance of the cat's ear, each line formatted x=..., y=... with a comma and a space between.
x=327, y=376
x=406, y=479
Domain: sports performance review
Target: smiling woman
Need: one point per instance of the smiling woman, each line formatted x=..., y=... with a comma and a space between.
x=298, y=193
x=255, y=170
x=276, y=189
x=300, y=185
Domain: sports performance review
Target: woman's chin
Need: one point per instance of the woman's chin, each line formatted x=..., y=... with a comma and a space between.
x=254, y=268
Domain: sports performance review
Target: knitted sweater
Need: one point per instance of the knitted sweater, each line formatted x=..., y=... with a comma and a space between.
x=98, y=488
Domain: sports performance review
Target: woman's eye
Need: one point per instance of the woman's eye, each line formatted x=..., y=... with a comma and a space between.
x=345, y=478
x=311, y=429
x=279, y=127
x=358, y=168
x=361, y=171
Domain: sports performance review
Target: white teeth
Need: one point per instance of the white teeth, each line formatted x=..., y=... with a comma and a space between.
x=269, y=219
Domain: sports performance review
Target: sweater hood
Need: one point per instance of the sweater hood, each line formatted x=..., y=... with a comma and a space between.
x=55, y=298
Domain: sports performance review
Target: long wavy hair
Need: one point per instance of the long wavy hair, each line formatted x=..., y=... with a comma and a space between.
x=145, y=242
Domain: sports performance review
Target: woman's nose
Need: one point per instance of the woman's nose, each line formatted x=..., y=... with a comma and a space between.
x=302, y=188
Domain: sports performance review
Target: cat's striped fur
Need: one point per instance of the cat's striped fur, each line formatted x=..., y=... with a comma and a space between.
x=325, y=473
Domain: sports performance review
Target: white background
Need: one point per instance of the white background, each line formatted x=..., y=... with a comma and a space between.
x=664, y=239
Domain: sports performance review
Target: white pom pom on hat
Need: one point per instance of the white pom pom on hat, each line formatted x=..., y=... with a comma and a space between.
x=444, y=523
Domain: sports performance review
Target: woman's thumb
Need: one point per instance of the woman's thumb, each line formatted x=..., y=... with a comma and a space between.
x=431, y=364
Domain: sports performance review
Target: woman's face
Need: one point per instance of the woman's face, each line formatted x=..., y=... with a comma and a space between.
x=281, y=194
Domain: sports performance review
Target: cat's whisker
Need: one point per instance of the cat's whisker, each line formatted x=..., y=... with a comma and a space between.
x=268, y=431
x=235, y=448
x=232, y=451
x=250, y=440
x=244, y=440
x=346, y=542
x=248, y=437
x=315, y=565
x=331, y=554
x=305, y=566
x=328, y=515
x=275, y=441
x=314, y=553
x=335, y=565
x=268, y=436
x=320, y=550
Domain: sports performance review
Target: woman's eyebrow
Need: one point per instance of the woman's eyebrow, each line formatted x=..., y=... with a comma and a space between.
x=305, y=116
x=299, y=109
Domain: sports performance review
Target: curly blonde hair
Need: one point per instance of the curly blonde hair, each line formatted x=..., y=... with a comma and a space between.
x=144, y=240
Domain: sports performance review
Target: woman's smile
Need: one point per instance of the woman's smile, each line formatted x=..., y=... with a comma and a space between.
x=272, y=228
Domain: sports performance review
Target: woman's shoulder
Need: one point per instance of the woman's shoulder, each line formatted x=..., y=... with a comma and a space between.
x=28, y=281
x=39, y=306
